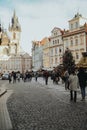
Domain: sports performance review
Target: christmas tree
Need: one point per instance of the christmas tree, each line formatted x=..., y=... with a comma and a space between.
x=68, y=61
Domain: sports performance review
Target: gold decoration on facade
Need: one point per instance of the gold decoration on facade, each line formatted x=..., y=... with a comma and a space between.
x=83, y=61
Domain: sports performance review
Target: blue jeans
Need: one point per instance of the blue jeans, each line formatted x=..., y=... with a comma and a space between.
x=83, y=92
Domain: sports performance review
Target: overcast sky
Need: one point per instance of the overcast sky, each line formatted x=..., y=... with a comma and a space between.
x=38, y=17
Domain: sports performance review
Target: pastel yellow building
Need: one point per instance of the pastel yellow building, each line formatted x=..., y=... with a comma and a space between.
x=46, y=53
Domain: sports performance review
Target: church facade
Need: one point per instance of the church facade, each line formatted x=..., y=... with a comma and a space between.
x=11, y=57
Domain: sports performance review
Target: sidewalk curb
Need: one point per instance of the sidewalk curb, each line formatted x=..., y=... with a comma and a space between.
x=2, y=91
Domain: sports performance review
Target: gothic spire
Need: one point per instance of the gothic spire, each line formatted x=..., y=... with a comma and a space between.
x=14, y=14
x=15, y=23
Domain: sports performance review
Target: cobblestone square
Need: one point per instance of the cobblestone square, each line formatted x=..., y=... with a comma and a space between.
x=36, y=106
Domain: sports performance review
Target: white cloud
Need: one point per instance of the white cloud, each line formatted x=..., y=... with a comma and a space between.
x=39, y=18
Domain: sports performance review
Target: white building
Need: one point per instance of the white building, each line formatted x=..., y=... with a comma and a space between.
x=11, y=57
x=56, y=47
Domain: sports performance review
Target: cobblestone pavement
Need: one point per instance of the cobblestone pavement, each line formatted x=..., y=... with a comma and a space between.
x=35, y=106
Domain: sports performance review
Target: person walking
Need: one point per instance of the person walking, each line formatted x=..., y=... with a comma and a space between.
x=36, y=76
x=14, y=77
x=73, y=85
x=82, y=75
x=66, y=76
x=10, y=78
x=46, y=75
x=53, y=76
x=18, y=76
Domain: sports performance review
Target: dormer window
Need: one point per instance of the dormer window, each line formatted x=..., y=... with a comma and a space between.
x=76, y=24
x=55, y=33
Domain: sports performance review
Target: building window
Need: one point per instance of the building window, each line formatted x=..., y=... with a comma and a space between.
x=51, y=61
x=53, y=42
x=58, y=40
x=66, y=43
x=77, y=56
x=55, y=33
x=60, y=50
x=51, y=51
x=76, y=42
x=81, y=39
x=55, y=60
x=56, y=50
x=71, y=26
x=71, y=42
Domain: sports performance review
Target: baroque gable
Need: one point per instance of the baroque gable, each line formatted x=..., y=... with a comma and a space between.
x=56, y=32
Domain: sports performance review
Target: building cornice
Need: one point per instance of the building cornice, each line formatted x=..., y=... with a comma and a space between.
x=81, y=30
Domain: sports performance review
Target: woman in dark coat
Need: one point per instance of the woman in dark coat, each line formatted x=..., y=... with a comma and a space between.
x=82, y=75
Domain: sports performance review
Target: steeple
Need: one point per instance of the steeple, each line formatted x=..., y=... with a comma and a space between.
x=15, y=30
x=14, y=14
x=15, y=23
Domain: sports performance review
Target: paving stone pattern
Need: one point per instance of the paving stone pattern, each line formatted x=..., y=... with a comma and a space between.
x=33, y=106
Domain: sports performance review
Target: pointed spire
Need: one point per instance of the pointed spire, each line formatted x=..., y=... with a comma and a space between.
x=14, y=23
x=14, y=14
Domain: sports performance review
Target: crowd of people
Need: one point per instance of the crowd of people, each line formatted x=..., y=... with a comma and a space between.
x=15, y=76
x=73, y=80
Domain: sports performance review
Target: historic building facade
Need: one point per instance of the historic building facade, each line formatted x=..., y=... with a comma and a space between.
x=15, y=31
x=37, y=55
x=11, y=56
x=76, y=37
x=56, y=47
x=46, y=53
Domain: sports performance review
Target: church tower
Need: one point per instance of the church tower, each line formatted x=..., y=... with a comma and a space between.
x=15, y=30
